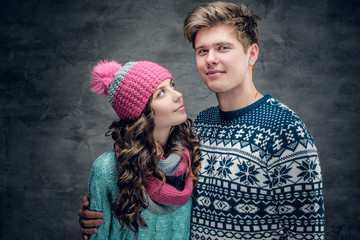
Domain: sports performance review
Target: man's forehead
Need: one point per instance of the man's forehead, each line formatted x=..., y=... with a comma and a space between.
x=216, y=35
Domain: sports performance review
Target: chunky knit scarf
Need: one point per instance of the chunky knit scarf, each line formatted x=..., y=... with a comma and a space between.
x=177, y=189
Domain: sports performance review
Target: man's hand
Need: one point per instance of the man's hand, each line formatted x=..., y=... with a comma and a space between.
x=88, y=220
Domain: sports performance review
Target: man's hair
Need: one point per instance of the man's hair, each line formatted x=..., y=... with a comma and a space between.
x=211, y=14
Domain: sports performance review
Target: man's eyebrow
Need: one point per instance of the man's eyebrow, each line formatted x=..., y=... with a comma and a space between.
x=199, y=47
x=216, y=44
x=224, y=43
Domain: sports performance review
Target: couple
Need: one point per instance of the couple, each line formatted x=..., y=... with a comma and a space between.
x=259, y=176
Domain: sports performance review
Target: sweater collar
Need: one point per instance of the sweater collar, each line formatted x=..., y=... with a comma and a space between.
x=240, y=112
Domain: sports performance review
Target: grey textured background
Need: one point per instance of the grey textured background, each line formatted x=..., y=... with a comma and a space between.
x=52, y=128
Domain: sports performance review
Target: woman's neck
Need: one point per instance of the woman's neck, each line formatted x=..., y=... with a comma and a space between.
x=161, y=135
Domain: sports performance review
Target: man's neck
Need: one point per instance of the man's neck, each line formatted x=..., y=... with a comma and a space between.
x=238, y=98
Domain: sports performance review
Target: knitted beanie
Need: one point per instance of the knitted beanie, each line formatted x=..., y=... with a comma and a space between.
x=128, y=87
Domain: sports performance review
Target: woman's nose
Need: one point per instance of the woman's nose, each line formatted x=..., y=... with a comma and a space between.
x=177, y=95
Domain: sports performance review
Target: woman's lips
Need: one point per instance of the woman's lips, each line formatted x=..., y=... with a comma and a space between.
x=180, y=108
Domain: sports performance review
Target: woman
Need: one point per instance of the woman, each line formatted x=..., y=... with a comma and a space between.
x=144, y=185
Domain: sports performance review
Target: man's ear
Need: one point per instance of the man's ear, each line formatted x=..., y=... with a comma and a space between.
x=253, y=52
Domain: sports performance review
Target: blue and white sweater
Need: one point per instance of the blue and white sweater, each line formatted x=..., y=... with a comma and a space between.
x=260, y=176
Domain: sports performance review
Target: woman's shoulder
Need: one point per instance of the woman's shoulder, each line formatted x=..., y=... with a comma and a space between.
x=105, y=163
x=103, y=172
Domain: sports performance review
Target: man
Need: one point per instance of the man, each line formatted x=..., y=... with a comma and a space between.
x=260, y=176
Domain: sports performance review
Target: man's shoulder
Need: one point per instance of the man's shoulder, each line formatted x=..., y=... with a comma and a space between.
x=278, y=114
x=278, y=106
x=286, y=123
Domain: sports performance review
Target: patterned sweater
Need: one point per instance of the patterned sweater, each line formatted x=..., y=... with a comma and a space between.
x=260, y=175
x=103, y=192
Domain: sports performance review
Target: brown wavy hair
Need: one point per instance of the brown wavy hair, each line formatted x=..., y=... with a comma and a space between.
x=138, y=157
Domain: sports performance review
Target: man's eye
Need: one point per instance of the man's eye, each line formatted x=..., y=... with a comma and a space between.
x=201, y=52
x=223, y=48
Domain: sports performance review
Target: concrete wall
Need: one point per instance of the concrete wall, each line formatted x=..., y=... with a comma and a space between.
x=52, y=128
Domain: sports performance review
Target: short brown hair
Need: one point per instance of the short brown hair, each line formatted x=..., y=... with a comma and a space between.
x=210, y=14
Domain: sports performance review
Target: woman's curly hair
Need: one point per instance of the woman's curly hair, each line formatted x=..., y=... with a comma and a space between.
x=138, y=156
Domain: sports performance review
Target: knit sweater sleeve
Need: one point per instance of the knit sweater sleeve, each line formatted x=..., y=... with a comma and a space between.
x=100, y=191
x=294, y=174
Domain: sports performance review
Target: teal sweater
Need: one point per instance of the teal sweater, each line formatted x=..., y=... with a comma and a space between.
x=103, y=192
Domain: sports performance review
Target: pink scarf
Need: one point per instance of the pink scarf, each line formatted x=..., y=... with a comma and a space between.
x=168, y=194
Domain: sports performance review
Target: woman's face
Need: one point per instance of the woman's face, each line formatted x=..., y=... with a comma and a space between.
x=168, y=106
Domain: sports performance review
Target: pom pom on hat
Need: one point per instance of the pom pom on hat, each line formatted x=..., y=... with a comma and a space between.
x=102, y=75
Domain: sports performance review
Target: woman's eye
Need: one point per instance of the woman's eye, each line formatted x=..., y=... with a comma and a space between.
x=161, y=93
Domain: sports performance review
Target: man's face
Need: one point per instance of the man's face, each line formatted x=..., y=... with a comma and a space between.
x=220, y=58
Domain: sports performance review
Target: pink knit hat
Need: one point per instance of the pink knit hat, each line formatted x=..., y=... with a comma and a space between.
x=128, y=87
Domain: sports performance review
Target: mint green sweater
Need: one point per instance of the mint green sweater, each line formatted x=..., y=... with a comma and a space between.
x=103, y=192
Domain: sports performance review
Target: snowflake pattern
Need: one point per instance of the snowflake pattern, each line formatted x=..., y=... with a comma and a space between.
x=280, y=176
x=308, y=170
x=247, y=174
x=224, y=169
x=210, y=168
